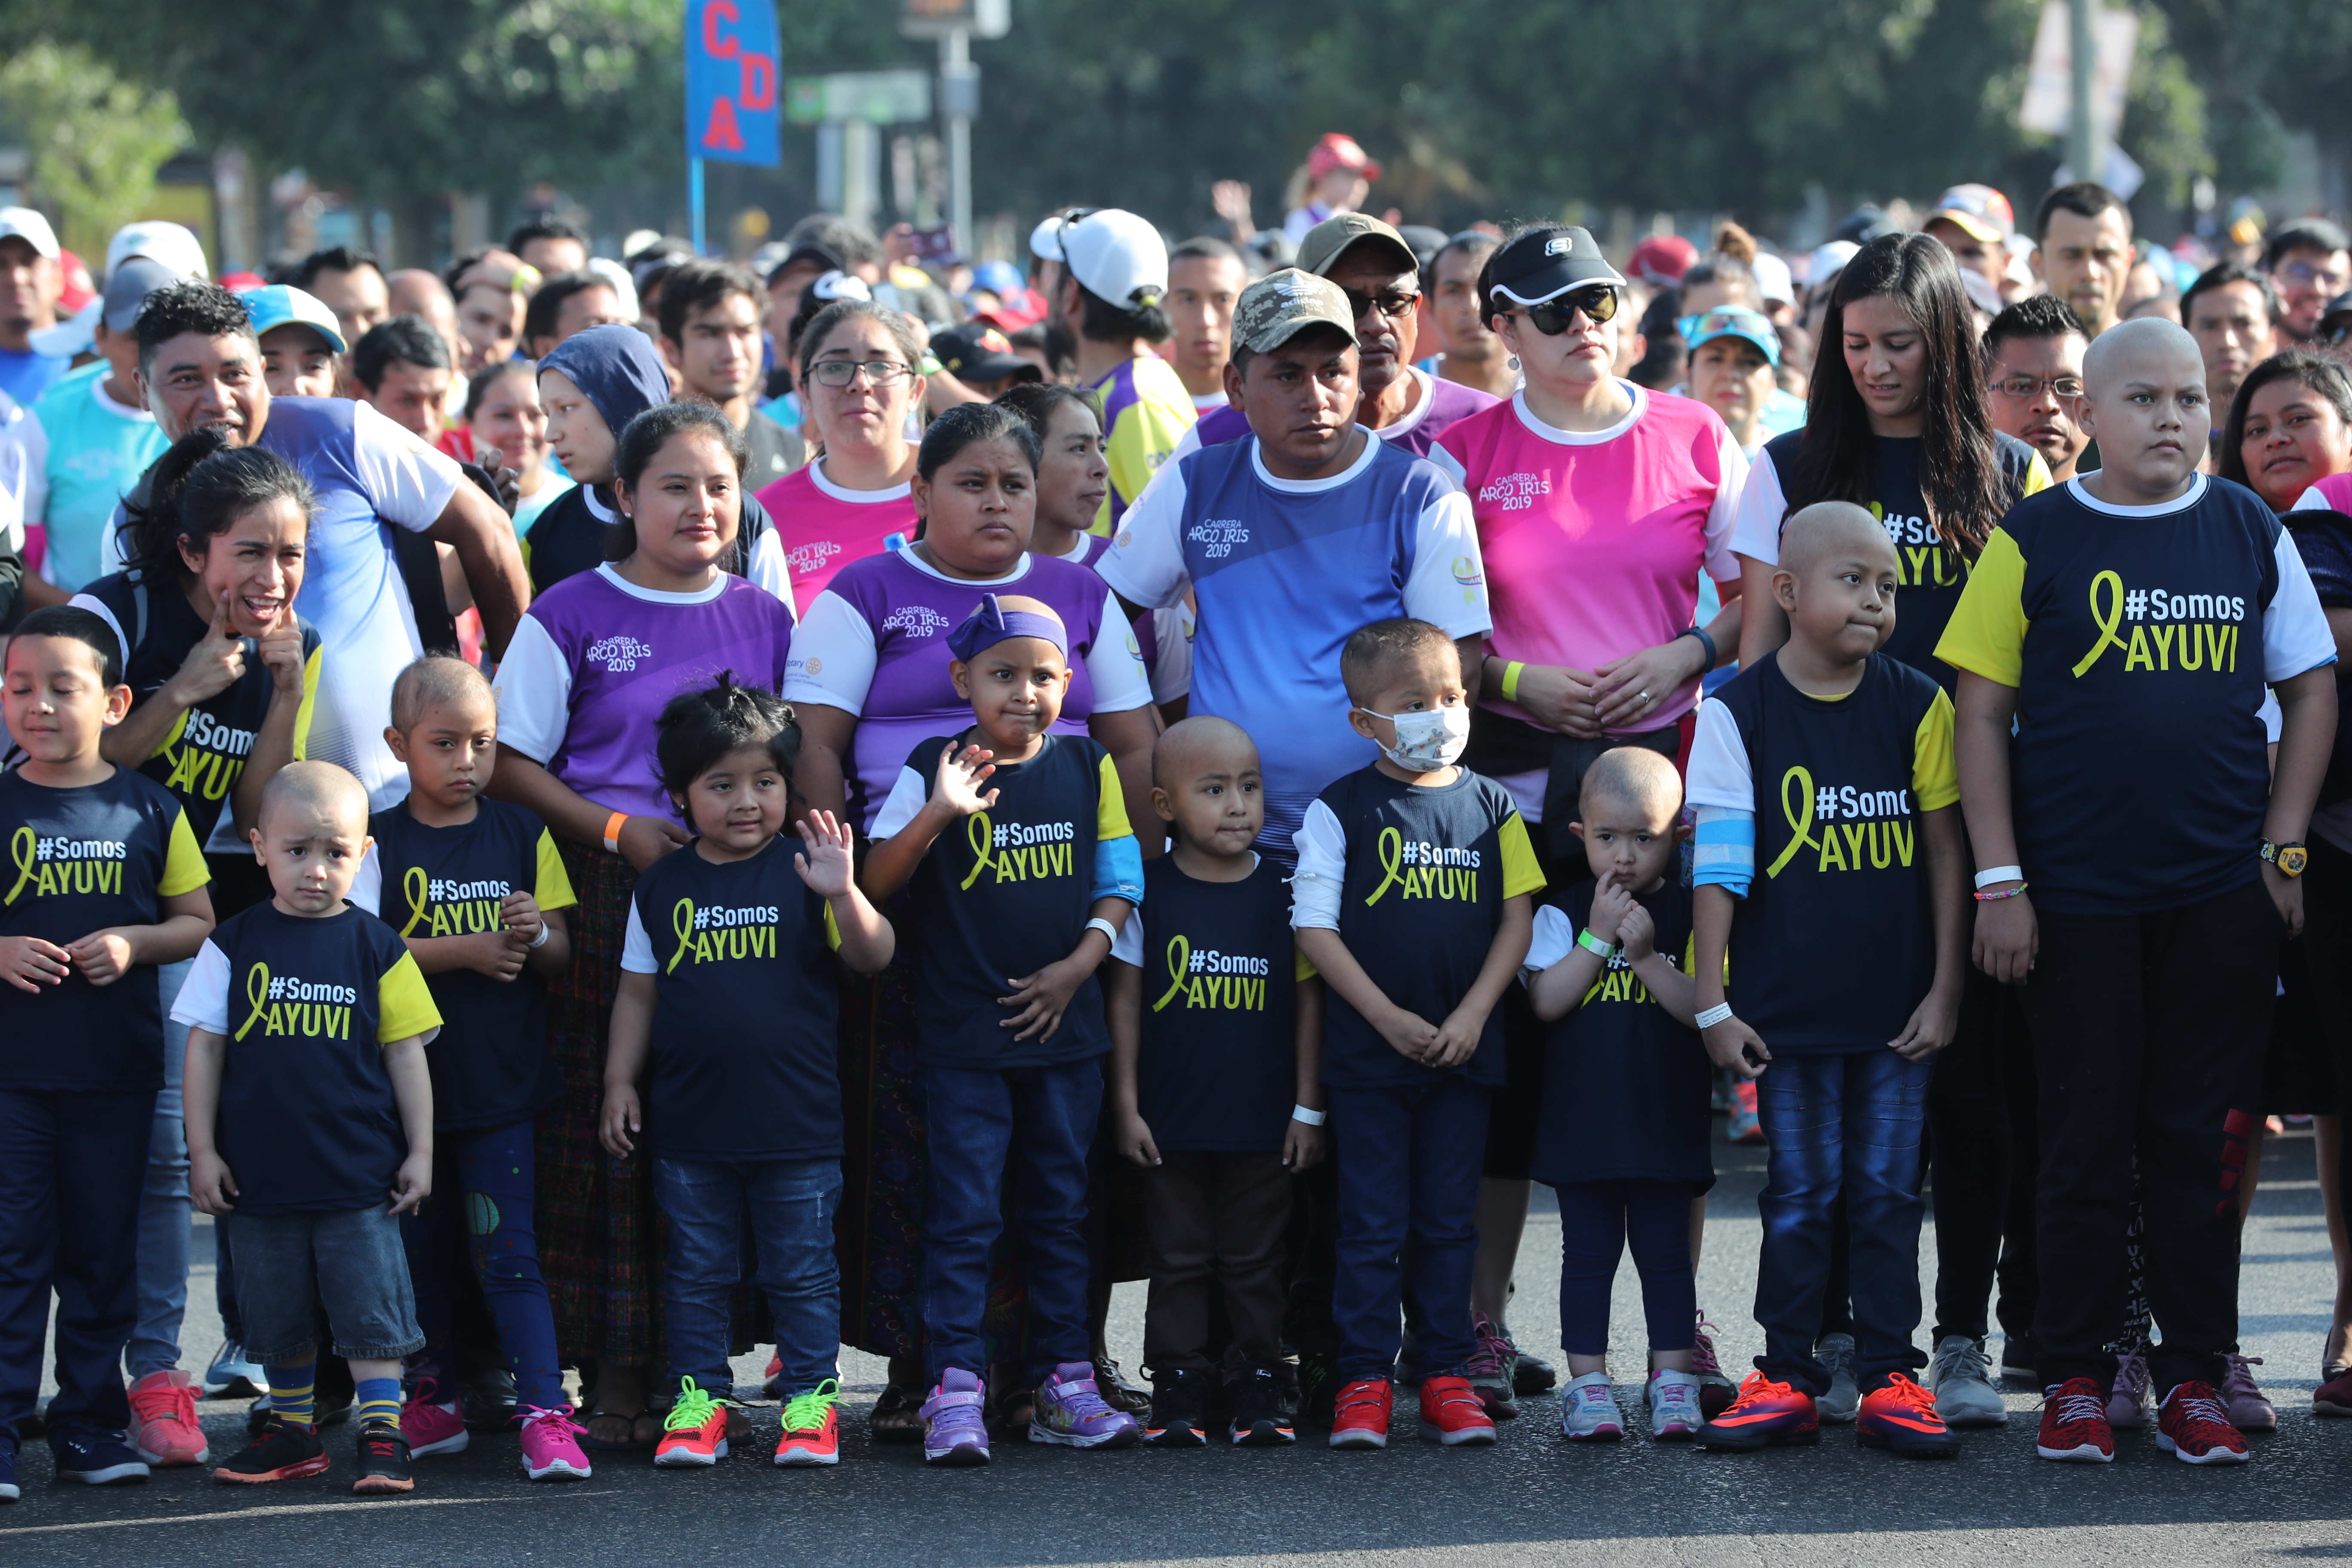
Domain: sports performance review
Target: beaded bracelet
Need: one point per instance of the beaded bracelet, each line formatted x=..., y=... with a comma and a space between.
x=1985, y=898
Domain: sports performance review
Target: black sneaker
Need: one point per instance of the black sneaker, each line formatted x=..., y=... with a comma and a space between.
x=331, y=1407
x=383, y=1461
x=1533, y=1375
x=278, y=1453
x=95, y=1458
x=1179, y=1401
x=2019, y=1362
x=1258, y=1421
x=1318, y=1388
x=489, y=1402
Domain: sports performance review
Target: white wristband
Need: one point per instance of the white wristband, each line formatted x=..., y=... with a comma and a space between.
x=540, y=940
x=2001, y=874
x=1310, y=1118
x=1110, y=931
x=1713, y=1016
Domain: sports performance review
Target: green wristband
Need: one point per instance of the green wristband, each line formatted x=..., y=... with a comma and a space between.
x=1591, y=943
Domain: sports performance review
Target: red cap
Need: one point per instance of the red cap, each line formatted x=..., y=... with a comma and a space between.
x=75, y=288
x=243, y=283
x=1339, y=151
x=1663, y=259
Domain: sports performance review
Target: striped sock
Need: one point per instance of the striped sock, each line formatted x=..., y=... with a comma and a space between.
x=290, y=1391
x=377, y=1402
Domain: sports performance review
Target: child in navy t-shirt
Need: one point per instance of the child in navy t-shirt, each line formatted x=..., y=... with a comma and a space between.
x=1217, y=1040
x=1413, y=901
x=1622, y=1136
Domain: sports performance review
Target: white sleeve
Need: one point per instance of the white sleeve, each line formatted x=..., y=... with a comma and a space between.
x=906, y=798
x=1115, y=664
x=1722, y=517
x=1447, y=587
x=769, y=569
x=110, y=544
x=1315, y=892
x=1127, y=947
x=1451, y=465
x=1186, y=445
x=2273, y=716
x=407, y=482
x=1172, y=677
x=533, y=688
x=2295, y=635
x=367, y=888
x=13, y=478
x=1719, y=773
x=638, y=948
x=832, y=657
x=2310, y=500
x=1756, y=529
x=1145, y=564
x=34, y=441
x=203, y=1001
x=1555, y=940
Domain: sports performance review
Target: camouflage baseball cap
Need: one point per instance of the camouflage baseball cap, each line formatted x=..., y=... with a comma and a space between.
x=1280, y=305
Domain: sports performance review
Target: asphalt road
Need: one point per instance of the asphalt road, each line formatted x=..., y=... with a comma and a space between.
x=1529, y=1499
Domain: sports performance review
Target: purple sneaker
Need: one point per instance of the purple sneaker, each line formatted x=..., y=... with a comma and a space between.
x=1070, y=1411
x=953, y=1432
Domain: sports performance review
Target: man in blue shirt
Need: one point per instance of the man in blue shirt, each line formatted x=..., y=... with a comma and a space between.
x=29, y=281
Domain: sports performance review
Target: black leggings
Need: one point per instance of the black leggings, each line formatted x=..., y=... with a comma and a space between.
x=1597, y=1220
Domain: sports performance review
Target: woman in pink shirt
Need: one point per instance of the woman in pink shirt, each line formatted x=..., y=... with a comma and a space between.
x=2288, y=436
x=859, y=375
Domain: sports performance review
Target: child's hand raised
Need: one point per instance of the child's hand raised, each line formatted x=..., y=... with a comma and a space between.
x=1133, y=1136
x=955, y=790
x=1610, y=904
x=28, y=963
x=829, y=864
x=1638, y=934
x=1732, y=1044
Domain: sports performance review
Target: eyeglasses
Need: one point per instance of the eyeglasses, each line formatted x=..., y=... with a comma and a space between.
x=1553, y=317
x=2334, y=333
x=2304, y=272
x=2024, y=387
x=1396, y=305
x=839, y=372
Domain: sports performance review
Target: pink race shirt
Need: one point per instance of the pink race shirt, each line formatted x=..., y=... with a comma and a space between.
x=1593, y=542
x=824, y=527
x=2333, y=493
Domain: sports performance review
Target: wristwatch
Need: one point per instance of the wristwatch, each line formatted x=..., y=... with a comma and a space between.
x=2290, y=859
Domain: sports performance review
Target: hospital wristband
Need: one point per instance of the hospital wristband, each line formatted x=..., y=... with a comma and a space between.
x=613, y=825
x=1713, y=1016
x=1110, y=931
x=2001, y=874
x=1300, y=1114
x=540, y=940
x=1591, y=943
x=1511, y=672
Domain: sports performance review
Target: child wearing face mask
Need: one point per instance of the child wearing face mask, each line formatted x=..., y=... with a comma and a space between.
x=1421, y=872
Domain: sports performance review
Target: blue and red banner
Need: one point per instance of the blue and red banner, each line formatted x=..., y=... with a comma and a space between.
x=733, y=93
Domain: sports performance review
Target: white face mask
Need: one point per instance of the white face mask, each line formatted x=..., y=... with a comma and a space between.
x=1427, y=741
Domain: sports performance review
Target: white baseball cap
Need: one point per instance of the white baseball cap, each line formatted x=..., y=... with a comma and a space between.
x=168, y=242
x=1116, y=256
x=31, y=227
x=1772, y=281
x=1827, y=261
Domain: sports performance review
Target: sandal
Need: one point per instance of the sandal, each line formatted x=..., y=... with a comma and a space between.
x=642, y=1414
x=897, y=1415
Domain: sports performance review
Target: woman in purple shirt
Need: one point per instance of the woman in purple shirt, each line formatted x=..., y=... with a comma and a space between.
x=869, y=679
x=590, y=667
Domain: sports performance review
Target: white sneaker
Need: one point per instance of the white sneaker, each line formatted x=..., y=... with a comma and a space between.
x=1844, y=1397
x=1675, y=1415
x=1961, y=1375
x=1587, y=1410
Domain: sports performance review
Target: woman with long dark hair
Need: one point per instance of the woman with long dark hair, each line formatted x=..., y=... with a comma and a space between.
x=2288, y=436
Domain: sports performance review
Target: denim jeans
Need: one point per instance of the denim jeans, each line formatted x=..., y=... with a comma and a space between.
x=787, y=1207
x=1408, y=1163
x=1838, y=1123
x=164, y=1213
x=349, y=1259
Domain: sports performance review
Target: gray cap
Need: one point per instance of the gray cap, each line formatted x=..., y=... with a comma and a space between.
x=127, y=290
x=1326, y=241
x=1280, y=305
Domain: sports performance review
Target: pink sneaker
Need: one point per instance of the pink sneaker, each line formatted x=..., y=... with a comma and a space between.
x=430, y=1427
x=550, y=1446
x=164, y=1420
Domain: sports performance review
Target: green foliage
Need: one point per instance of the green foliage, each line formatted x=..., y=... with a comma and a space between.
x=95, y=139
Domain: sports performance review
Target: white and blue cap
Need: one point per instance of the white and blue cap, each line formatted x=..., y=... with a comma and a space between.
x=1732, y=322
x=280, y=304
x=1542, y=264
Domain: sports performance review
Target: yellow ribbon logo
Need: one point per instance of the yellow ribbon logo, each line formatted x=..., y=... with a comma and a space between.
x=682, y=921
x=981, y=836
x=257, y=991
x=1799, y=815
x=2107, y=623
x=1391, y=857
x=415, y=884
x=22, y=845
x=1180, y=957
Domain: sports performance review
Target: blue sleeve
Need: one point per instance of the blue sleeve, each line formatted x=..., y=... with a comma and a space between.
x=1724, y=849
x=1118, y=870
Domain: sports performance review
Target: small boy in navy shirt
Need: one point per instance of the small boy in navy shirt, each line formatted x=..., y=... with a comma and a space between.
x=1216, y=1032
x=104, y=882
x=1418, y=872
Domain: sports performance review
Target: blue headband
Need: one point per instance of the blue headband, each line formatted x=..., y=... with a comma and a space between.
x=992, y=622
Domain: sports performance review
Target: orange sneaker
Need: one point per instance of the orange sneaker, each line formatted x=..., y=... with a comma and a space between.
x=1766, y=1411
x=1900, y=1416
x=811, y=1433
x=164, y=1420
x=695, y=1432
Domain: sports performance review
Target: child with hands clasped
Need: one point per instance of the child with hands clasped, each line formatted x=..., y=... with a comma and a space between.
x=1623, y=1135
x=103, y=883
x=476, y=889
x=309, y=1100
x=1827, y=867
x=1022, y=867
x=1420, y=872
x=1216, y=1030
x=726, y=1009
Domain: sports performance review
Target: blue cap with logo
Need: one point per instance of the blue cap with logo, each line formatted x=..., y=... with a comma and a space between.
x=278, y=304
x=1732, y=322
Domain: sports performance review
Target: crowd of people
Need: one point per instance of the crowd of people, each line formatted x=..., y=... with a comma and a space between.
x=597, y=815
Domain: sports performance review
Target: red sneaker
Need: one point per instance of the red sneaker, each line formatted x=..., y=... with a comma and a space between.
x=2191, y=1425
x=1766, y=1411
x=1359, y=1416
x=1451, y=1413
x=2074, y=1424
x=1900, y=1416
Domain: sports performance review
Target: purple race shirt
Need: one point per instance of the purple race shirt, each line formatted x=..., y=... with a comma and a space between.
x=596, y=658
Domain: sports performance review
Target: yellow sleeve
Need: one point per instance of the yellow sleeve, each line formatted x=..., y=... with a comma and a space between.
x=2037, y=476
x=1935, y=776
x=1304, y=970
x=1110, y=814
x=184, y=861
x=832, y=928
x=1520, y=872
x=1986, y=633
x=554, y=889
x=1146, y=432
x=311, y=667
x=404, y=1003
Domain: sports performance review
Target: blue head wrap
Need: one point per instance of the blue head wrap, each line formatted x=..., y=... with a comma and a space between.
x=992, y=622
x=616, y=367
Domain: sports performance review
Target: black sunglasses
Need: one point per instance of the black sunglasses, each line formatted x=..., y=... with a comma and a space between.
x=1553, y=317
x=1396, y=305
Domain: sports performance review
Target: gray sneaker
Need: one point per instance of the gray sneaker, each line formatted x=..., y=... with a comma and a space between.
x=1961, y=1375
x=1844, y=1397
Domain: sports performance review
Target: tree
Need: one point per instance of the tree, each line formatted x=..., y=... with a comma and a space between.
x=95, y=139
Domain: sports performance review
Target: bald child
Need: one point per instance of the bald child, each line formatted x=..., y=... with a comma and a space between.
x=1216, y=1041
x=309, y=1114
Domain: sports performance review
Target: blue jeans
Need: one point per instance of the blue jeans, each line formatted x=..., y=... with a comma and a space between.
x=1408, y=1165
x=1848, y=1123
x=787, y=1207
x=348, y=1259
x=479, y=1219
x=164, y=1214
x=970, y=1118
